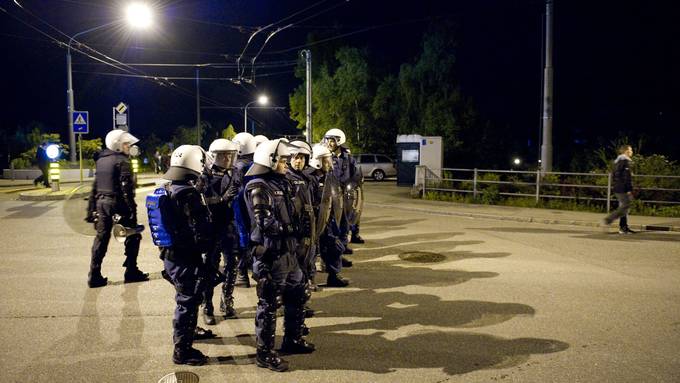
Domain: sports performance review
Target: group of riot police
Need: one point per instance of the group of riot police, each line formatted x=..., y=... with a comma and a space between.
x=266, y=208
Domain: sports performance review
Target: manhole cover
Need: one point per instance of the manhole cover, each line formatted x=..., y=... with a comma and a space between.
x=180, y=377
x=422, y=257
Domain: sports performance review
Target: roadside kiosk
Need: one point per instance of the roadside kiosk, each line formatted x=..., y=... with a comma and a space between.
x=414, y=150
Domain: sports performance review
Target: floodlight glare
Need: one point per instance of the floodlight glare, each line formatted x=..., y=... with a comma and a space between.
x=263, y=100
x=52, y=151
x=139, y=15
x=517, y=161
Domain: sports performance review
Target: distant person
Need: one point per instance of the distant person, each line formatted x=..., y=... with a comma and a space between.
x=157, y=161
x=43, y=163
x=623, y=189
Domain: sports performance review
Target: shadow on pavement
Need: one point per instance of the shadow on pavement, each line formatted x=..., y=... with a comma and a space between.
x=86, y=355
x=391, y=330
x=28, y=211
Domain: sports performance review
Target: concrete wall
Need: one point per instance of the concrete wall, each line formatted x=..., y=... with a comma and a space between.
x=31, y=174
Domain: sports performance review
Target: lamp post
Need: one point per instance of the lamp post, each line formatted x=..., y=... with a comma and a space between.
x=262, y=100
x=138, y=16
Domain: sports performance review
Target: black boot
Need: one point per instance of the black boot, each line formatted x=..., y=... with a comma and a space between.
x=189, y=355
x=243, y=279
x=357, y=239
x=348, y=250
x=296, y=346
x=271, y=360
x=95, y=278
x=227, y=298
x=133, y=274
x=208, y=316
x=336, y=280
x=346, y=262
x=309, y=312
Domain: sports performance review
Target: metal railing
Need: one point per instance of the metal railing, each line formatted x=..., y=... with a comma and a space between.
x=651, y=189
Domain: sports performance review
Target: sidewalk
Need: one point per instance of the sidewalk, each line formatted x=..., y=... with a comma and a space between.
x=384, y=195
x=28, y=192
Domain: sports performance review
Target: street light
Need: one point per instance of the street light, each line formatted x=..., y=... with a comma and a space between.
x=262, y=100
x=138, y=17
x=517, y=161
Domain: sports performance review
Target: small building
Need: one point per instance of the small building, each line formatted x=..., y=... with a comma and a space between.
x=416, y=150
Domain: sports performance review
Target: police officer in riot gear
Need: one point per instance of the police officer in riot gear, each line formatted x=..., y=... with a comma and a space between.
x=304, y=210
x=190, y=224
x=113, y=197
x=247, y=146
x=220, y=191
x=330, y=247
x=273, y=239
x=345, y=170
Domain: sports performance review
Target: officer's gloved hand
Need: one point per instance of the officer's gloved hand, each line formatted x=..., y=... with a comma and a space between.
x=230, y=193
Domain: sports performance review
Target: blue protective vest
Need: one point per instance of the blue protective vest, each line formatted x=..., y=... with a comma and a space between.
x=156, y=207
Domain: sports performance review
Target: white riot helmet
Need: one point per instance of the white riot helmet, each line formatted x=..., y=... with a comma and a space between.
x=117, y=137
x=260, y=139
x=223, y=152
x=303, y=148
x=319, y=152
x=268, y=155
x=336, y=134
x=245, y=142
x=187, y=162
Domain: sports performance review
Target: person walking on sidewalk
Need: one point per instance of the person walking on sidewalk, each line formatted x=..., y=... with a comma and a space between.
x=623, y=189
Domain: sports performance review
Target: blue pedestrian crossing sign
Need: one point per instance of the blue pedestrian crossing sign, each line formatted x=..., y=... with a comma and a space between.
x=80, y=120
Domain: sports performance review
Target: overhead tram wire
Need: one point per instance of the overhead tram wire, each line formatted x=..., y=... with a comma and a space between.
x=252, y=62
x=238, y=61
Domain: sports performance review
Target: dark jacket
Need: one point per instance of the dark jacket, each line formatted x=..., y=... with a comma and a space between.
x=114, y=178
x=622, y=181
x=190, y=225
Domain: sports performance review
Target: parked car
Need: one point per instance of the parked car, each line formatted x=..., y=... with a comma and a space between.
x=376, y=166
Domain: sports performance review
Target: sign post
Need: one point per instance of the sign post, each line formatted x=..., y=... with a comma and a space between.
x=80, y=126
x=121, y=117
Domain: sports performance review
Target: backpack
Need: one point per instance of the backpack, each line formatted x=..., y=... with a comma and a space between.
x=157, y=208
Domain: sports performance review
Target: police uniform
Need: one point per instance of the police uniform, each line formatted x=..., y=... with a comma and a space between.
x=303, y=216
x=113, y=193
x=218, y=195
x=192, y=235
x=242, y=220
x=330, y=246
x=345, y=171
x=279, y=277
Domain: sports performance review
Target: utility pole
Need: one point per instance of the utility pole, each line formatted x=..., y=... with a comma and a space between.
x=546, y=145
x=198, y=109
x=307, y=54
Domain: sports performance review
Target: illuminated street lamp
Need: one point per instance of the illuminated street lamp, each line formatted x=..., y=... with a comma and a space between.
x=138, y=16
x=517, y=161
x=262, y=100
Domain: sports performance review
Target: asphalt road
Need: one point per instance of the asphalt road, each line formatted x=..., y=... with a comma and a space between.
x=433, y=299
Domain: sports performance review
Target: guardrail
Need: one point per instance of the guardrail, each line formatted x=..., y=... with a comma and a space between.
x=650, y=189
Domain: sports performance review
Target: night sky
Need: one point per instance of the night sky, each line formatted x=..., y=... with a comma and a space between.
x=616, y=63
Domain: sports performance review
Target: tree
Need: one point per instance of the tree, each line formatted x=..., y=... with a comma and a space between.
x=229, y=133
x=340, y=99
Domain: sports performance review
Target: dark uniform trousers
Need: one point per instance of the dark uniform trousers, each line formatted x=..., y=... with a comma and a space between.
x=190, y=281
x=106, y=208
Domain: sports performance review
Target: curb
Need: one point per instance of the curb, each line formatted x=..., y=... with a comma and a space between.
x=59, y=197
x=523, y=219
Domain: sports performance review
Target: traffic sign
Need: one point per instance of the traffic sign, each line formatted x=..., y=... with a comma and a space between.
x=121, y=108
x=80, y=124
